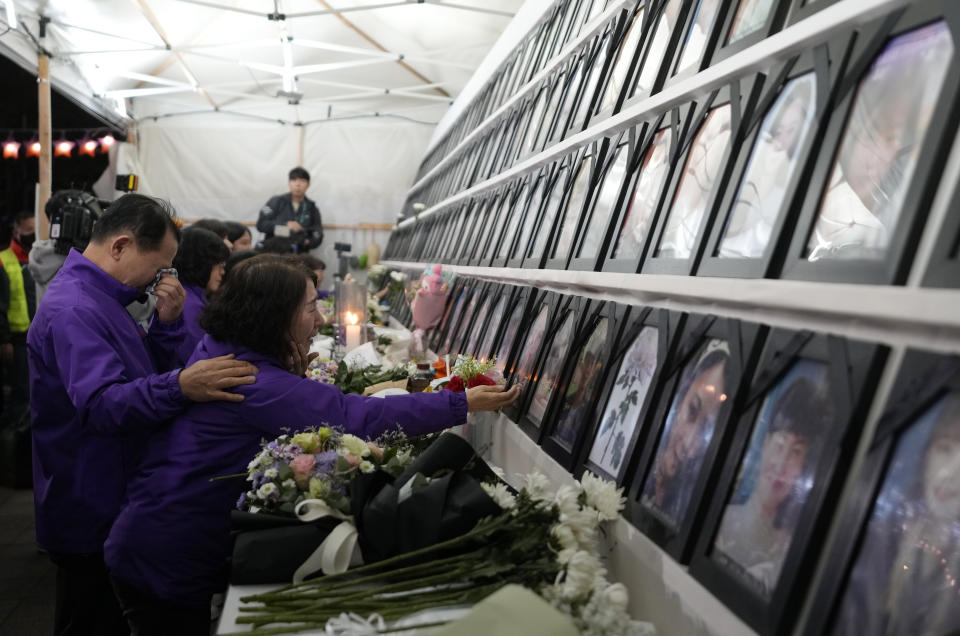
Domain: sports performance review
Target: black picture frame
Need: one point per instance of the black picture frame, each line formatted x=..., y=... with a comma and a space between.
x=644, y=327
x=820, y=68
x=497, y=213
x=943, y=268
x=707, y=341
x=910, y=167
x=860, y=556
x=530, y=215
x=803, y=9
x=456, y=287
x=514, y=299
x=481, y=319
x=568, y=223
x=749, y=33
x=481, y=217
x=513, y=331
x=461, y=307
x=574, y=399
x=654, y=59
x=561, y=315
x=830, y=379
x=653, y=158
x=735, y=101
x=599, y=61
x=542, y=226
x=515, y=206
x=468, y=322
x=605, y=198
x=709, y=33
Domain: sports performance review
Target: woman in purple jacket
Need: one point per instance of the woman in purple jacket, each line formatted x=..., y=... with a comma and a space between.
x=169, y=543
x=199, y=263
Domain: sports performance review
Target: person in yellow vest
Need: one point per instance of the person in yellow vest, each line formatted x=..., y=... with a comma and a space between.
x=17, y=306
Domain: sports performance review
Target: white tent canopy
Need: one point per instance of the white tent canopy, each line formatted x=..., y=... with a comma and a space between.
x=225, y=96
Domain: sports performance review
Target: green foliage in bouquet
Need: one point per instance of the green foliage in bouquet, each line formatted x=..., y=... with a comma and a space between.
x=468, y=367
x=356, y=380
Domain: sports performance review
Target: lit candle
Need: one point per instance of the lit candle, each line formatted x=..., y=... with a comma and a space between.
x=353, y=331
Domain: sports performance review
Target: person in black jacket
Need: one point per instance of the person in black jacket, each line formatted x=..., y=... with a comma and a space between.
x=293, y=215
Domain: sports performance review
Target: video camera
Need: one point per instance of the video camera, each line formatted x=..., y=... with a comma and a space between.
x=72, y=214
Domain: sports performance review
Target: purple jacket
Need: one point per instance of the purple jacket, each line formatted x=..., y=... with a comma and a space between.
x=173, y=535
x=193, y=304
x=93, y=377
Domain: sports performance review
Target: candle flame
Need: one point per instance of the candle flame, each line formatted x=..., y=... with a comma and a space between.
x=352, y=318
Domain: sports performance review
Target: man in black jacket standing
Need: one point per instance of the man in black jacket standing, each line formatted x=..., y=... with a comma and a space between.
x=293, y=215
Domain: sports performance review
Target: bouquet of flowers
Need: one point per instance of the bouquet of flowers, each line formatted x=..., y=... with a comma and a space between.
x=355, y=380
x=469, y=372
x=323, y=370
x=376, y=277
x=544, y=541
x=396, y=282
x=327, y=308
x=317, y=463
x=375, y=311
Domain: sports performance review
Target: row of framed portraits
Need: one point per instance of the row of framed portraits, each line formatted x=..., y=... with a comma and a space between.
x=822, y=168
x=733, y=441
x=640, y=50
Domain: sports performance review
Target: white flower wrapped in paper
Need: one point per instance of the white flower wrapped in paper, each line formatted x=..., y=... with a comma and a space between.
x=581, y=575
x=537, y=486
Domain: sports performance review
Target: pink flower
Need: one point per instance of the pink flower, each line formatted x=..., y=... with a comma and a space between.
x=376, y=450
x=352, y=459
x=302, y=467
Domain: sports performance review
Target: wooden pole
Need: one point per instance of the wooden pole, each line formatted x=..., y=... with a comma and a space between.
x=46, y=145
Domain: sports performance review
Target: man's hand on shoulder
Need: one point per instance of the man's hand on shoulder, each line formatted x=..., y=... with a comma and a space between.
x=208, y=380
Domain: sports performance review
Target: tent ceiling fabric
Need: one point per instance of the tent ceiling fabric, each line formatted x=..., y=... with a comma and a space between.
x=333, y=58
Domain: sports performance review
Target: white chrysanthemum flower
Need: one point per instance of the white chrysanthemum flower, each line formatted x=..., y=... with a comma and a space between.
x=498, y=472
x=404, y=457
x=567, y=500
x=267, y=489
x=501, y=495
x=602, y=495
x=580, y=575
x=254, y=508
x=564, y=536
x=354, y=445
x=398, y=276
x=537, y=486
x=616, y=596
x=288, y=484
x=271, y=473
x=584, y=524
x=367, y=466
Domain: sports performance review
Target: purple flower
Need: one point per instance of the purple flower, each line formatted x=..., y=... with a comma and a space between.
x=241, y=500
x=324, y=462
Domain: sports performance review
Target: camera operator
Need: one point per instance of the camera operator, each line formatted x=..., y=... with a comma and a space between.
x=106, y=384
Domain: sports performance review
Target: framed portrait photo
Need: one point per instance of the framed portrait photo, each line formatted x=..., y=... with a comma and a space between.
x=678, y=464
x=711, y=141
x=766, y=184
x=568, y=224
x=492, y=239
x=604, y=200
x=887, y=142
x=543, y=223
x=893, y=567
x=574, y=398
x=746, y=23
x=701, y=36
x=652, y=159
x=489, y=312
x=469, y=322
x=629, y=391
x=664, y=35
x=802, y=9
x=455, y=299
x=624, y=45
x=598, y=58
x=503, y=342
x=794, y=433
x=541, y=356
x=466, y=300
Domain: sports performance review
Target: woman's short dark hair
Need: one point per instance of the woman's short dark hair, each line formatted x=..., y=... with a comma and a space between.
x=217, y=227
x=312, y=261
x=256, y=304
x=235, y=230
x=146, y=218
x=236, y=258
x=200, y=251
x=299, y=173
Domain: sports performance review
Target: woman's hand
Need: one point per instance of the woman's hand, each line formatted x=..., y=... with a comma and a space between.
x=490, y=398
x=299, y=359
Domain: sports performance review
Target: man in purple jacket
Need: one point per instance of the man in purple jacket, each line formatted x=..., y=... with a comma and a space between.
x=102, y=384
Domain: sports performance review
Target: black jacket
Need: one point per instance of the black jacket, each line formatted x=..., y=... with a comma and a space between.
x=279, y=210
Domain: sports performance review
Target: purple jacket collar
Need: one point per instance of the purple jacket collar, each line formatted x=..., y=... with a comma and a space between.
x=82, y=267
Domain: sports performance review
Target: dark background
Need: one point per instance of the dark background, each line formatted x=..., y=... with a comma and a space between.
x=19, y=120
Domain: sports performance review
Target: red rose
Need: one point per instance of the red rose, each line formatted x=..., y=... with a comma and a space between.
x=455, y=384
x=479, y=380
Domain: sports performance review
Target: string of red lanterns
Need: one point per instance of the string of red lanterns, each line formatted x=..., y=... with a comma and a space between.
x=63, y=147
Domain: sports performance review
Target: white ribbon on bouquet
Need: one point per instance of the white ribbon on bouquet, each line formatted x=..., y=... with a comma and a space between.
x=338, y=551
